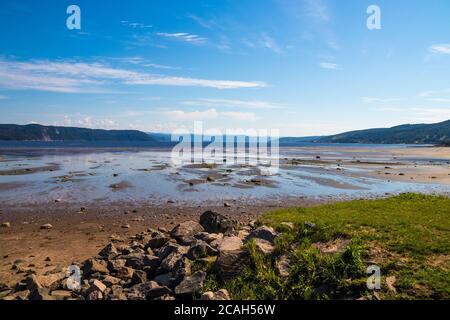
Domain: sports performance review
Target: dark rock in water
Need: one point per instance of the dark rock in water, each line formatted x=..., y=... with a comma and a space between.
x=186, y=229
x=200, y=249
x=214, y=222
x=158, y=292
x=191, y=285
x=93, y=266
x=265, y=233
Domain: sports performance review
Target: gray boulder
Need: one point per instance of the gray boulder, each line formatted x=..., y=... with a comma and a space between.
x=214, y=222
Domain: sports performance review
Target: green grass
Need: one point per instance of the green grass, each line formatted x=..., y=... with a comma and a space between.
x=408, y=236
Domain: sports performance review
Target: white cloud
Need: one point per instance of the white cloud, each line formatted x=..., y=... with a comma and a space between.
x=430, y=114
x=444, y=100
x=249, y=104
x=329, y=66
x=183, y=36
x=135, y=25
x=209, y=114
x=180, y=115
x=317, y=10
x=440, y=48
x=84, y=121
x=82, y=77
x=270, y=43
x=373, y=100
x=425, y=94
x=240, y=116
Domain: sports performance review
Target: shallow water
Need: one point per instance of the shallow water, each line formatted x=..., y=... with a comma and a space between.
x=150, y=176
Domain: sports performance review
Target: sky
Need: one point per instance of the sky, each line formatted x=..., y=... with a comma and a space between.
x=305, y=67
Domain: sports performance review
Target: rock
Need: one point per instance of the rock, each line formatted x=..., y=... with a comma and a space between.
x=94, y=295
x=230, y=244
x=390, y=282
x=151, y=261
x=19, y=295
x=138, y=277
x=214, y=222
x=309, y=225
x=186, y=229
x=40, y=294
x=50, y=281
x=157, y=241
x=110, y=281
x=209, y=237
x=222, y=294
x=288, y=225
x=200, y=249
x=226, y=205
x=97, y=285
x=47, y=226
x=33, y=283
x=181, y=270
x=168, y=264
x=94, y=266
x=243, y=234
x=167, y=249
x=139, y=291
x=264, y=247
x=191, y=285
x=125, y=273
x=135, y=261
x=232, y=259
x=6, y=225
x=158, y=292
x=265, y=233
x=61, y=294
x=282, y=265
x=165, y=280
x=109, y=251
x=126, y=226
x=115, y=265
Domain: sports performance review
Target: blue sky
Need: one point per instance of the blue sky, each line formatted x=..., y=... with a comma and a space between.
x=302, y=66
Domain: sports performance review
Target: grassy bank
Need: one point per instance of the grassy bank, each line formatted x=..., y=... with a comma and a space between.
x=329, y=247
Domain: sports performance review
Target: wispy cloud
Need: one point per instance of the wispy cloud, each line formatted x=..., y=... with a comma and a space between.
x=329, y=66
x=270, y=43
x=440, y=48
x=135, y=25
x=184, y=36
x=317, y=10
x=382, y=100
x=217, y=103
x=209, y=114
x=84, y=77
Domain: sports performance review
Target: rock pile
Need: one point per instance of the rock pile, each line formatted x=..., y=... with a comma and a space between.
x=153, y=265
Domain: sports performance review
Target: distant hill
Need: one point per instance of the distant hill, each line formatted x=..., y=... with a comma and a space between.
x=438, y=133
x=36, y=132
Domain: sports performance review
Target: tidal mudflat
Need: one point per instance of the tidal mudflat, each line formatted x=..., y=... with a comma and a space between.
x=149, y=176
x=89, y=196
